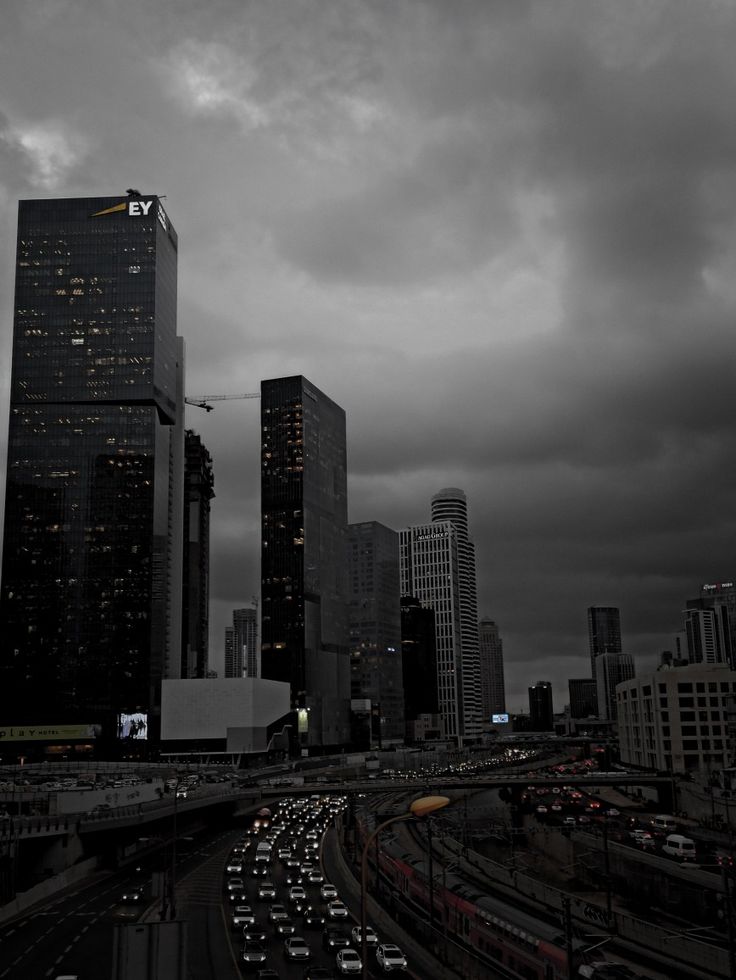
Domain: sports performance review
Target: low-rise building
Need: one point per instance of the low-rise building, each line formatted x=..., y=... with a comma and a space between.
x=676, y=717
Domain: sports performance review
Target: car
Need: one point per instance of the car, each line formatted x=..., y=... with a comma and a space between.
x=260, y=870
x=238, y=897
x=313, y=918
x=643, y=839
x=613, y=812
x=542, y=810
x=132, y=896
x=243, y=916
x=333, y=939
x=337, y=910
x=267, y=974
x=277, y=912
x=371, y=939
x=306, y=868
x=254, y=933
x=293, y=862
x=317, y=973
x=297, y=894
x=235, y=884
x=390, y=957
x=328, y=892
x=569, y=821
x=294, y=878
x=315, y=878
x=253, y=952
x=234, y=867
x=348, y=961
x=295, y=948
x=284, y=927
x=266, y=890
x=556, y=808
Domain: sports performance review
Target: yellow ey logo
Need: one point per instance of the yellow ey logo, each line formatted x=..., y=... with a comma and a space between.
x=135, y=209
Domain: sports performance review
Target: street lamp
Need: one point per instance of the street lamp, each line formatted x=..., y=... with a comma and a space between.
x=419, y=808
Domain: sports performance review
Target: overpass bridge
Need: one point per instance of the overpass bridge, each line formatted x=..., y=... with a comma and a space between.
x=247, y=797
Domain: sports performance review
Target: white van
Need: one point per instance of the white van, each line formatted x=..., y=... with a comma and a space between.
x=665, y=822
x=680, y=847
x=263, y=853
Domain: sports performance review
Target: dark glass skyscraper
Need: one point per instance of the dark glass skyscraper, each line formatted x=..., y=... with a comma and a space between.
x=604, y=632
x=541, y=712
x=199, y=489
x=91, y=591
x=492, y=686
x=375, y=625
x=304, y=611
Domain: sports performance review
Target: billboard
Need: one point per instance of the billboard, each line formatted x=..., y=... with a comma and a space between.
x=499, y=719
x=47, y=733
x=133, y=725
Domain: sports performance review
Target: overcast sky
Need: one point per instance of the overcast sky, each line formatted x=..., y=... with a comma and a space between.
x=499, y=233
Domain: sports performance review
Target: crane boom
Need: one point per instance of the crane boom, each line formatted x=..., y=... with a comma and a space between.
x=203, y=401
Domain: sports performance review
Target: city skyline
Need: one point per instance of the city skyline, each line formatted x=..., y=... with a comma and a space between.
x=501, y=241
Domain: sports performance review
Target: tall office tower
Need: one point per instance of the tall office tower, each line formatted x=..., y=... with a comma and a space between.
x=91, y=582
x=541, y=711
x=583, y=697
x=712, y=638
x=245, y=624
x=611, y=669
x=492, y=688
x=430, y=561
x=451, y=505
x=198, y=492
x=418, y=659
x=604, y=632
x=707, y=634
x=233, y=667
x=375, y=625
x=304, y=608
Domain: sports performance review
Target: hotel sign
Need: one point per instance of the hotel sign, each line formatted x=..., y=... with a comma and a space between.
x=46, y=733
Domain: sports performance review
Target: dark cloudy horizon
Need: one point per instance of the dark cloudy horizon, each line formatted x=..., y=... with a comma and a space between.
x=499, y=233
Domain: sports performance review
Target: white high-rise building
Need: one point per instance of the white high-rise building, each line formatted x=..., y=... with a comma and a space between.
x=438, y=568
x=241, y=644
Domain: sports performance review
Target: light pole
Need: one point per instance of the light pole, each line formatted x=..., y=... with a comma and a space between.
x=419, y=808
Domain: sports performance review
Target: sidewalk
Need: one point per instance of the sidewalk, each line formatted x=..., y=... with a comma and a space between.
x=422, y=964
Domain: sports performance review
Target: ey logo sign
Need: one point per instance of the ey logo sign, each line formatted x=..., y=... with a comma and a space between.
x=135, y=209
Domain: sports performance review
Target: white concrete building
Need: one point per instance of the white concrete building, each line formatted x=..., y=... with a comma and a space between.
x=231, y=710
x=676, y=717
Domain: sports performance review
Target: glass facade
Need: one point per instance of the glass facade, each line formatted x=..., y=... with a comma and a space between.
x=94, y=416
x=304, y=626
x=604, y=632
x=375, y=625
x=199, y=489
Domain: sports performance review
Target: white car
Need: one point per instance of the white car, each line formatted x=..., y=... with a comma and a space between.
x=328, y=892
x=297, y=894
x=348, y=961
x=337, y=910
x=371, y=939
x=390, y=957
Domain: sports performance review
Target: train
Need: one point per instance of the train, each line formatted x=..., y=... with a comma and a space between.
x=498, y=934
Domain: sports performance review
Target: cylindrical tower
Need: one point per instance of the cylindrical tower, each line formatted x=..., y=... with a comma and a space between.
x=451, y=504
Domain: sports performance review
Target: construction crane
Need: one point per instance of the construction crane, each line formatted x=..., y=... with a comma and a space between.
x=203, y=401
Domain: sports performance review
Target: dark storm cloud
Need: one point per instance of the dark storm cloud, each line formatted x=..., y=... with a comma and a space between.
x=500, y=234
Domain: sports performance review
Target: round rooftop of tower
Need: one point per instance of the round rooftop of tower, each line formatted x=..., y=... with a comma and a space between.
x=451, y=504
